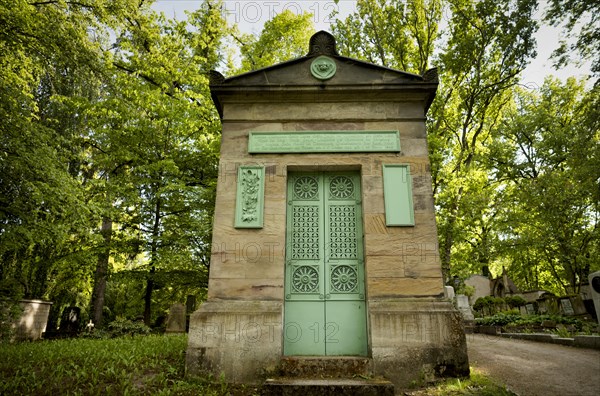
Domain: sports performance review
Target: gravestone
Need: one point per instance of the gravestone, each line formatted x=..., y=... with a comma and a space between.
x=482, y=287
x=566, y=307
x=449, y=292
x=325, y=242
x=578, y=305
x=176, y=320
x=523, y=310
x=70, y=321
x=462, y=303
x=594, y=280
x=33, y=320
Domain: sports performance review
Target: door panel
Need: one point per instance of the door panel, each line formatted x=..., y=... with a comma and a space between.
x=324, y=287
x=346, y=331
x=302, y=330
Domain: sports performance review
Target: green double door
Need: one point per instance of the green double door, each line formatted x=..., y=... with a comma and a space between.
x=324, y=275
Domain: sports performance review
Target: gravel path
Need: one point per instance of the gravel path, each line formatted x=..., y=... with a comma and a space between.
x=534, y=368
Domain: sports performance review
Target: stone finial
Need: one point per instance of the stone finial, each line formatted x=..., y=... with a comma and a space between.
x=431, y=75
x=215, y=78
x=322, y=43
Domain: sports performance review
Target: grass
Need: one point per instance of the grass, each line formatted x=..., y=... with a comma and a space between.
x=477, y=385
x=141, y=365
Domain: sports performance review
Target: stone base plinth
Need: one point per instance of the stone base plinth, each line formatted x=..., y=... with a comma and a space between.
x=238, y=339
x=411, y=340
x=417, y=339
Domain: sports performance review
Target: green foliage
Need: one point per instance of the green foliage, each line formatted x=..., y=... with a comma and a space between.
x=563, y=332
x=481, y=303
x=110, y=147
x=407, y=44
x=547, y=154
x=139, y=365
x=47, y=55
x=283, y=38
x=499, y=319
x=488, y=301
x=489, y=44
x=133, y=365
x=515, y=301
x=10, y=311
x=490, y=304
x=467, y=290
x=159, y=188
x=580, y=22
x=122, y=327
x=511, y=319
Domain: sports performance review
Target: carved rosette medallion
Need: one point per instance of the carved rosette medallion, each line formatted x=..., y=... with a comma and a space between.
x=305, y=279
x=341, y=187
x=344, y=279
x=323, y=68
x=305, y=187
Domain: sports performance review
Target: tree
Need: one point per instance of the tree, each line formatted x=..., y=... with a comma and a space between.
x=50, y=66
x=580, y=19
x=549, y=155
x=109, y=148
x=284, y=37
x=489, y=45
x=159, y=155
x=407, y=44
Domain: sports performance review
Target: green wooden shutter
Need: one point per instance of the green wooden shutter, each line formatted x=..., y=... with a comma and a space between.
x=397, y=193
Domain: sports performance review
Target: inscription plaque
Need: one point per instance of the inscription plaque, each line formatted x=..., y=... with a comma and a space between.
x=324, y=142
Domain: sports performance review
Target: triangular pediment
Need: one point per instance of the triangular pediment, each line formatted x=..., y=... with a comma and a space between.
x=323, y=70
x=297, y=72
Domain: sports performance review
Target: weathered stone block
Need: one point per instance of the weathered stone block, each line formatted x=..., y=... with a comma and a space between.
x=418, y=338
x=239, y=339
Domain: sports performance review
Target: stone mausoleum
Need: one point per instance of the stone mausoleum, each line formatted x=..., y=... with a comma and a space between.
x=325, y=245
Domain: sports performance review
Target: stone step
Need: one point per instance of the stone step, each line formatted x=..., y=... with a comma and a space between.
x=326, y=367
x=327, y=387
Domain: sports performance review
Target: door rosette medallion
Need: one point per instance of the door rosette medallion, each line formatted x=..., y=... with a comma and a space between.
x=306, y=187
x=323, y=68
x=341, y=187
x=305, y=279
x=344, y=279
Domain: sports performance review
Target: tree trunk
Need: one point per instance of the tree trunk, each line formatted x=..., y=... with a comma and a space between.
x=446, y=254
x=153, y=258
x=148, y=298
x=101, y=273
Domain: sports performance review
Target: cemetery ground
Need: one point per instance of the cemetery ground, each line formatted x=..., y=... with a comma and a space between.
x=536, y=368
x=154, y=365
